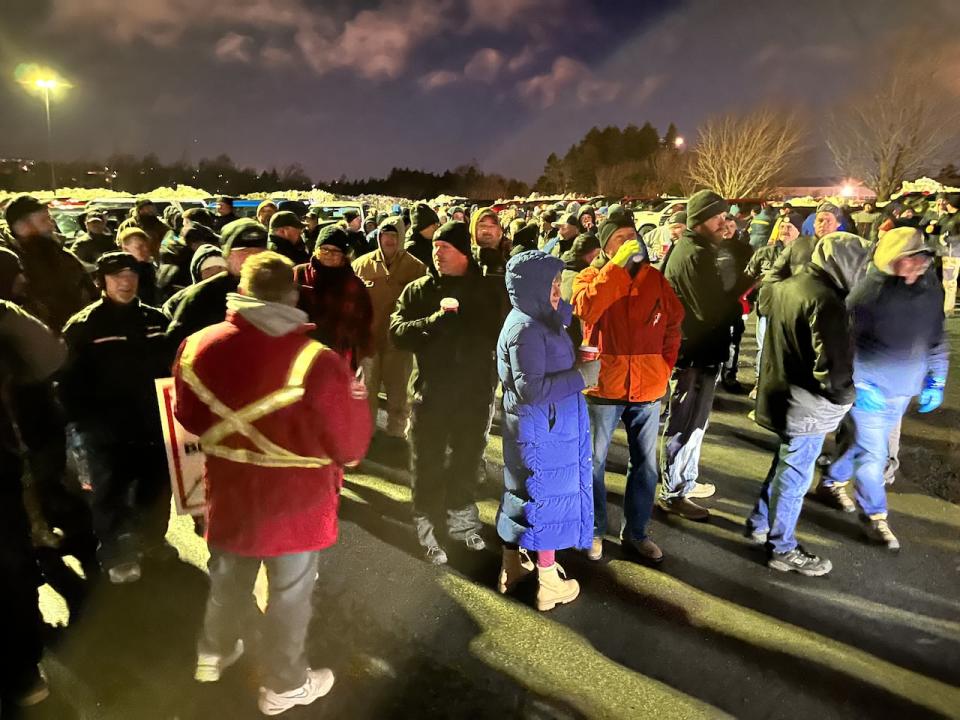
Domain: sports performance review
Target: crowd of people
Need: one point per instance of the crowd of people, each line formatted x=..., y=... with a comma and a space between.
x=282, y=331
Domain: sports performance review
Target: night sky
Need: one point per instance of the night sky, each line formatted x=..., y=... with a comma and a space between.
x=356, y=88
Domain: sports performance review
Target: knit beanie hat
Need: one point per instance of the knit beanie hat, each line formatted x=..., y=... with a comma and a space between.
x=611, y=225
x=678, y=218
x=114, y=262
x=525, y=238
x=827, y=206
x=283, y=219
x=336, y=236
x=265, y=204
x=704, y=205
x=455, y=233
x=795, y=219
x=22, y=206
x=898, y=243
x=422, y=216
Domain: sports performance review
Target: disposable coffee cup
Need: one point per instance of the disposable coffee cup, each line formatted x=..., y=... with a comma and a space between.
x=450, y=305
x=588, y=353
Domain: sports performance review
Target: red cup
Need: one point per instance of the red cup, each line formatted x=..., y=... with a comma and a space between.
x=588, y=353
x=450, y=305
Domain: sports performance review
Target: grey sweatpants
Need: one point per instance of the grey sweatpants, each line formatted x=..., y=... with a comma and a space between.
x=278, y=636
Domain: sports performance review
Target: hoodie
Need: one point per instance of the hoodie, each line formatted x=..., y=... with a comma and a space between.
x=493, y=261
x=386, y=280
x=272, y=318
x=806, y=372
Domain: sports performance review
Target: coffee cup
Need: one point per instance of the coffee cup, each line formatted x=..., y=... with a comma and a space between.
x=450, y=305
x=588, y=353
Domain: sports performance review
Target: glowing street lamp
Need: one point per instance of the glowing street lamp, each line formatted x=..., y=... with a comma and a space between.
x=44, y=81
x=678, y=142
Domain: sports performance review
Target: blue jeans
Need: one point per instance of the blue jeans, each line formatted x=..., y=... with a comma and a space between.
x=867, y=457
x=781, y=496
x=641, y=421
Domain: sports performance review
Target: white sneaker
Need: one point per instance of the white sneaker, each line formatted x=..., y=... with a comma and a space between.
x=317, y=685
x=124, y=573
x=211, y=667
x=702, y=490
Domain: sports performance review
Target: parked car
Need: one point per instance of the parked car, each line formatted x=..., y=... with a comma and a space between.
x=647, y=220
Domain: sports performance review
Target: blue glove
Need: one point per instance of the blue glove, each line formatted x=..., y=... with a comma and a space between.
x=931, y=397
x=869, y=398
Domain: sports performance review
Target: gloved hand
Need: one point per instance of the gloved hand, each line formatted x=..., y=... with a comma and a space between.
x=931, y=397
x=590, y=372
x=626, y=251
x=869, y=398
x=441, y=320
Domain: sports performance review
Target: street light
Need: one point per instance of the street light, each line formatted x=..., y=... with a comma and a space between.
x=678, y=142
x=43, y=81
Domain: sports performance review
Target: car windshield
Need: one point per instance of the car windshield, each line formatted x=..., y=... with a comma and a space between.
x=335, y=212
x=68, y=223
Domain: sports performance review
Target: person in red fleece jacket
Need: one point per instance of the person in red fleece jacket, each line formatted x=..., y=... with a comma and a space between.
x=278, y=415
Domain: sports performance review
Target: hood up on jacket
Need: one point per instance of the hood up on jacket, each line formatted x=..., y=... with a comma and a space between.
x=573, y=259
x=843, y=256
x=203, y=253
x=272, y=318
x=475, y=220
x=898, y=243
x=529, y=279
x=395, y=221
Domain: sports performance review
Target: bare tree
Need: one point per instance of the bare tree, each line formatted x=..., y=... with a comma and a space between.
x=744, y=155
x=669, y=172
x=893, y=133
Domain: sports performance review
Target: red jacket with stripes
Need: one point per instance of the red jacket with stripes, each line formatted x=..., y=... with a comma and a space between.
x=273, y=484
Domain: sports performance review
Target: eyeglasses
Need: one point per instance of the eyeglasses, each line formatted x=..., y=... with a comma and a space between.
x=332, y=252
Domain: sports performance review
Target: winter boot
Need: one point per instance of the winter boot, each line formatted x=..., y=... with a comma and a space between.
x=515, y=566
x=554, y=588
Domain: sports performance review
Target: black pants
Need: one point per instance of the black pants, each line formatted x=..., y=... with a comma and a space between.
x=20, y=620
x=130, y=499
x=449, y=436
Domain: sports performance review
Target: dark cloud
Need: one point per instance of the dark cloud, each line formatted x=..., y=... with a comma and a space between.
x=358, y=87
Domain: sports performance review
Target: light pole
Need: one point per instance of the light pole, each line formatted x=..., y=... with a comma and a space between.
x=43, y=81
x=48, y=84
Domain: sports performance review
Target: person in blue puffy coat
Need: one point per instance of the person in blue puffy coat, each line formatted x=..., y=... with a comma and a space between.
x=547, y=471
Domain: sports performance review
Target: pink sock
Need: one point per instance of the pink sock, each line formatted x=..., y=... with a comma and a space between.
x=546, y=558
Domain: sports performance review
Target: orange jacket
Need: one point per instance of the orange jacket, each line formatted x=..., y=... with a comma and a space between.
x=635, y=323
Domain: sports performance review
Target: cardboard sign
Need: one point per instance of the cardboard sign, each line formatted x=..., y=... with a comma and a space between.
x=185, y=459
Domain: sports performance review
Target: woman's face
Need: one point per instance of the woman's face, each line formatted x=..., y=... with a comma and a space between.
x=555, y=292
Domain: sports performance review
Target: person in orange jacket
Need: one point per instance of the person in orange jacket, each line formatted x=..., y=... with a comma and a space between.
x=631, y=314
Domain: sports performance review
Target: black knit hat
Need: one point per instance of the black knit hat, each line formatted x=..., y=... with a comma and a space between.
x=350, y=215
x=615, y=222
x=336, y=236
x=198, y=215
x=549, y=216
x=795, y=219
x=704, y=205
x=143, y=202
x=285, y=218
x=20, y=207
x=456, y=233
x=423, y=216
x=952, y=199
x=526, y=238
x=243, y=233
x=225, y=199
x=583, y=244
x=114, y=262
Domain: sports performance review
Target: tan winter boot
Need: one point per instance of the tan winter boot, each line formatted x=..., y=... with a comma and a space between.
x=554, y=588
x=514, y=567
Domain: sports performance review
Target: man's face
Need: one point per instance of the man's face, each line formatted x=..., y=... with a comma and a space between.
x=824, y=224
x=912, y=267
x=312, y=221
x=210, y=271
x=429, y=231
x=713, y=229
x=389, y=242
x=147, y=211
x=138, y=247
x=224, y=208
x=95, y=226
x=237, y=257
x=263, y=217
x=730, y=228
x=38, y=224
x=569, y=232
x=355, y=224
x=618, y=238
x=331, y=256
x=448, y=259
x=587, y=221
x=555, y=292
x=458, y=216
x=121, y=287
x=788, y=233
x=489, y=232
x=676, y=230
